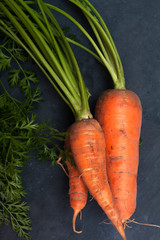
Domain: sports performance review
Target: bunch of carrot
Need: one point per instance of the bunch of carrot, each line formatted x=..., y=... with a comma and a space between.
x=119, y=113
x=105, y=151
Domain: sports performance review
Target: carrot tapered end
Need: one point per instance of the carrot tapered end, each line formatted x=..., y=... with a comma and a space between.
x=76, y=212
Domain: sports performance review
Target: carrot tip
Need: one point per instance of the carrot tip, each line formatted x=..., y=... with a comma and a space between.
x=76, y=212
x=123, y=236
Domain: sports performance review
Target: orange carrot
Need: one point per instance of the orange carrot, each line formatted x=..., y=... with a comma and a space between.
x=88, y=148
x=120, y=114
x=55, y=58
x=77, y=189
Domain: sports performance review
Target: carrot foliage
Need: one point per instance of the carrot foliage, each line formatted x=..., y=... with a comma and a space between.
x=104, y=46
x=40, y=35
x=20, y=134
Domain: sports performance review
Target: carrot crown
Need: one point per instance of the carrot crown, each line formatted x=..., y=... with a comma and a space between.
x=43, y=39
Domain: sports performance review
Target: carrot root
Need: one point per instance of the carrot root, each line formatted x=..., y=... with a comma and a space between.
x=76, y=212
x=125, y=222
x=59, y=163
x=77, y=190
x=119, y=113
x=88, y=149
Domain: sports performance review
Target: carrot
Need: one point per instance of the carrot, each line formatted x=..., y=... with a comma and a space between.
x=88, y=148
x=120, y=114
x=43, y=39
x=78, y=191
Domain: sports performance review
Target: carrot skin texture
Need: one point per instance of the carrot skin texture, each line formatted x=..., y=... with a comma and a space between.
x=119, y=113
x=88, y=148
x=78, y=191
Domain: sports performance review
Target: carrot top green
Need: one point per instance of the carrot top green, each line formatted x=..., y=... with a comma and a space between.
x=43, y=39
x=106, y=51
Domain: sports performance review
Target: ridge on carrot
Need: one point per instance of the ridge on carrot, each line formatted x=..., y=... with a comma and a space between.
x=119, y=112
x=49, y=48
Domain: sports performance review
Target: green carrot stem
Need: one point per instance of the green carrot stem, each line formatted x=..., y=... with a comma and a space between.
x=42, y=44
x=71, y=88
x=38, y=58
x=106, y=30
x=64, y=64
x=51, y=39
x=83, y=47
x=108, y=66
x=84, y=93
x=99, y=40
x=106, y=38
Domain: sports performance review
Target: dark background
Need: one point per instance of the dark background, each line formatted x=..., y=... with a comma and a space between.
x=135, y=28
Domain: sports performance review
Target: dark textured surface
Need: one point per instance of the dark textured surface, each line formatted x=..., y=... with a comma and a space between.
x=135, y=27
